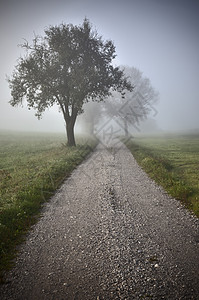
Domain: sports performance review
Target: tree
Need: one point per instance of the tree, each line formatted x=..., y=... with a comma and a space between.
x=136, y=105
x=69, y=66
x=90, y=117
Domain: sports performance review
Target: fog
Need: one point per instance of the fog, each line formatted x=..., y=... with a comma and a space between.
x=158, y=37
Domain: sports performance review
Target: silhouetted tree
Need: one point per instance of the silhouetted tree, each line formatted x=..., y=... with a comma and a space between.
x=69, y=66
x=91, y=116
x=135, y=105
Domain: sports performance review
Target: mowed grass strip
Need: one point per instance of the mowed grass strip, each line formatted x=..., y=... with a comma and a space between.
x=173, y=162
x=32, y=167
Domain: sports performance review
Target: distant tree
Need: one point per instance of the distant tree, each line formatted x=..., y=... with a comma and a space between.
x=69, y=66
x=135, y=105
x=91, y=116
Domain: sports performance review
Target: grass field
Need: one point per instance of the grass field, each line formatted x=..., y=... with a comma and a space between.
x=32, y=166
x=173, y=162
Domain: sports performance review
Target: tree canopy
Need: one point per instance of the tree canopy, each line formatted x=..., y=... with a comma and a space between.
x=69, y=66
x=137, y=104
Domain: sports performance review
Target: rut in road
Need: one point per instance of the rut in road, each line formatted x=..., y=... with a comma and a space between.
x=109, y=233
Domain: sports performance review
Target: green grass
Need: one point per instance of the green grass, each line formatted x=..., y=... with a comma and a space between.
x=173, y=162
x=32, y=167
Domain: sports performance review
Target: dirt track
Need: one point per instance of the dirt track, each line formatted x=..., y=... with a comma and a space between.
x=109, y=233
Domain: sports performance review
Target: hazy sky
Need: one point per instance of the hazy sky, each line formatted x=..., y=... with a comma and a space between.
x=159, y=37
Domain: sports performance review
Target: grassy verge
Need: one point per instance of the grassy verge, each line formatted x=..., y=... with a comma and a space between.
x=32, y=167
x=173, y=162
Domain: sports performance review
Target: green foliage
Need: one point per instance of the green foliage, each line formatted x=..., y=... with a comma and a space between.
x=31, y=169
x=173, y=162
x=69, y=66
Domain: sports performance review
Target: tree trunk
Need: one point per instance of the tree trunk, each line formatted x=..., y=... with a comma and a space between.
x=126, y=128
x=70, y=125
x=91, y=128
x=70, y=134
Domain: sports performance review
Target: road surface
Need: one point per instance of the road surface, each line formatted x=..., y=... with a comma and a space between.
x=109, y=233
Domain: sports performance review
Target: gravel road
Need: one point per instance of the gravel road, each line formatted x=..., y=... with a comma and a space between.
x=109, y=233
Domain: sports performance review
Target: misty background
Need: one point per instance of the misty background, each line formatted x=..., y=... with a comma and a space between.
x=159, y=37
